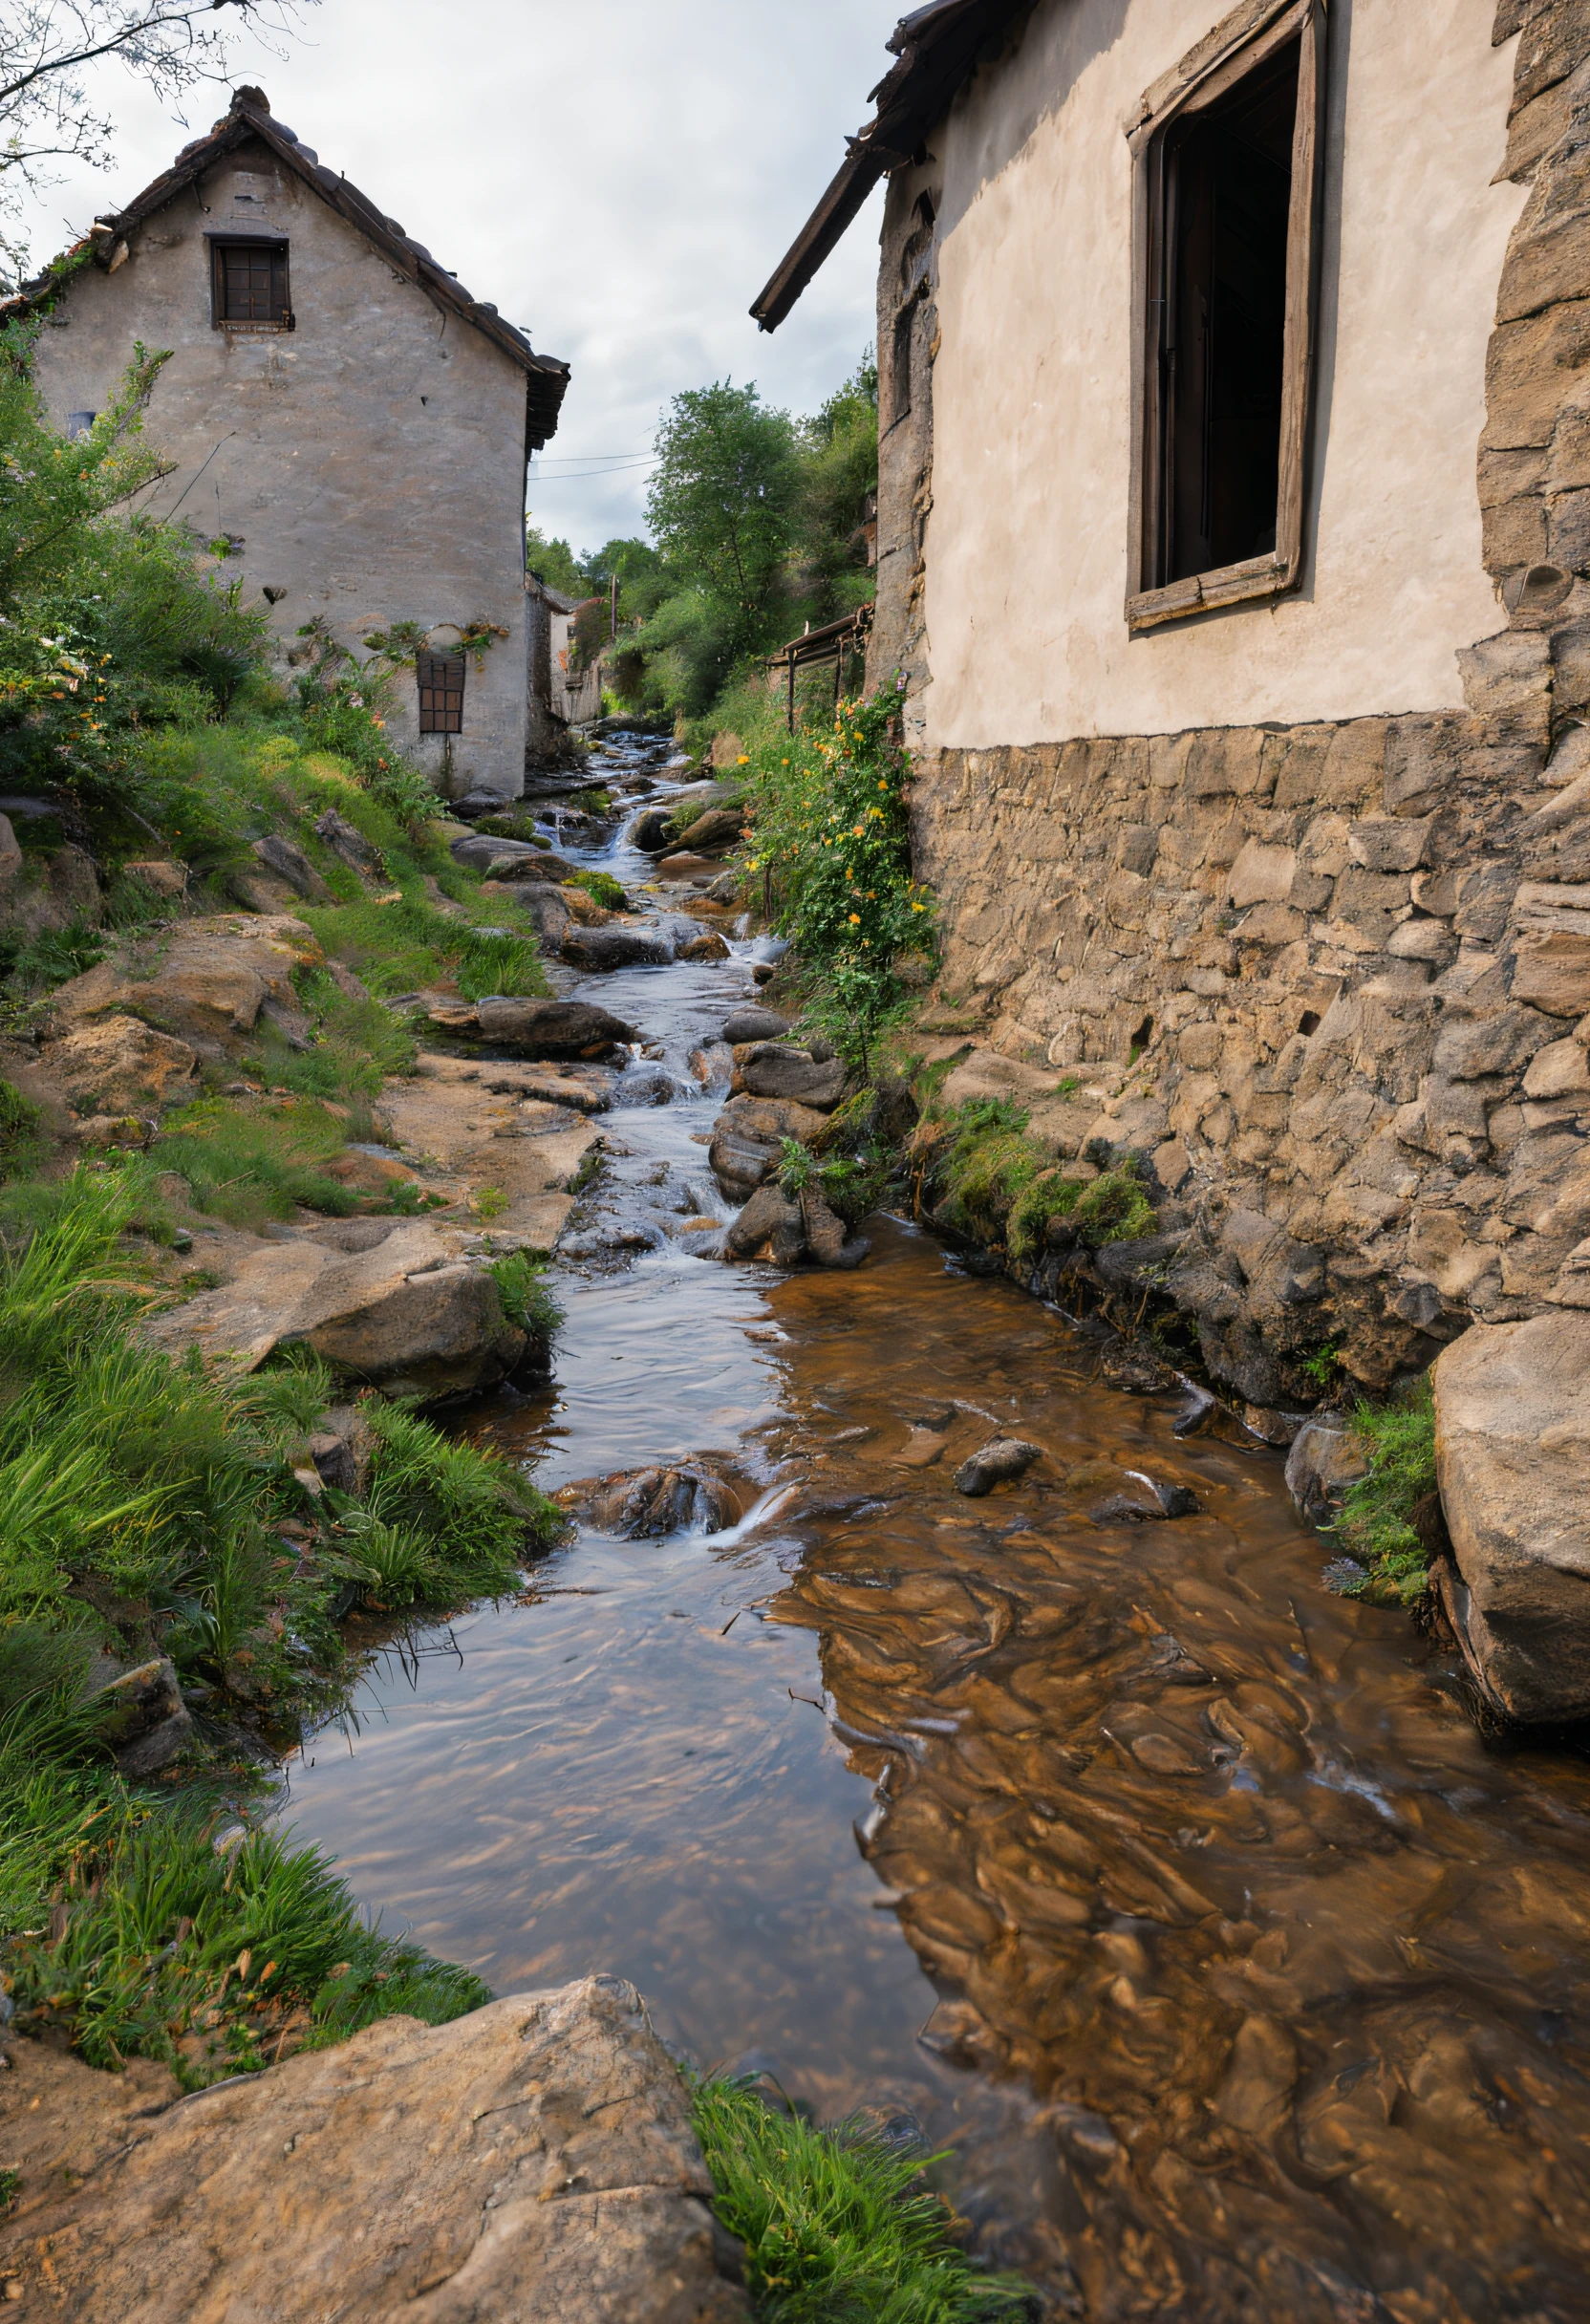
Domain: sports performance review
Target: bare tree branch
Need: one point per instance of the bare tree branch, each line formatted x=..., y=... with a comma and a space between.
x=47, y=47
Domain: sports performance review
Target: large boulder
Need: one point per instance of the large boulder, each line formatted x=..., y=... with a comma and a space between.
x=400, y=1310
x=116, y=1065
x=1513, y=1455
x=752, y=1024
x=770, y=1226
x=532, y=2159
x=552, y=1028
x=210, y=981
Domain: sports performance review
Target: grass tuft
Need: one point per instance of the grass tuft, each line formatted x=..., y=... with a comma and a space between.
x=1399, y=1440
x=837, y=2226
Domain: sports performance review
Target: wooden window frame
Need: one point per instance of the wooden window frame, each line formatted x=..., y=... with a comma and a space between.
x=1231, y=52
x=220, y=245
x=440, y=674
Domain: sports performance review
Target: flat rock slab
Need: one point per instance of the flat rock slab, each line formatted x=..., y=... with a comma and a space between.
x=1511, y=1458
x=208, y=981
x=533, y=2161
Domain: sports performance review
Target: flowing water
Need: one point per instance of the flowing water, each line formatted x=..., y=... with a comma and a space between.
x=1179, y=1898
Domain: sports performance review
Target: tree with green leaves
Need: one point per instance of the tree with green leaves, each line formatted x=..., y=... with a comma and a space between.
x=724, y=505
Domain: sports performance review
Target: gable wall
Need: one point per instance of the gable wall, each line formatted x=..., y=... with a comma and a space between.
x=371, y=460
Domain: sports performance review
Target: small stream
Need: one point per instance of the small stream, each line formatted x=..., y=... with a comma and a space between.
x=1177, y=1897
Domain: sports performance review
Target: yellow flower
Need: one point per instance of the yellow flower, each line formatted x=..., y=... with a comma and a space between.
x=855, y=919
x=744, y=760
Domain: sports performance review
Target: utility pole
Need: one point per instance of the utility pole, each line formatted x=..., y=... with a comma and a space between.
x=612, y=608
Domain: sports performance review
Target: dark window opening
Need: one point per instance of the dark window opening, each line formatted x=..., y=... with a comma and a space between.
x=250, y=285
x=440, y=692
x=79, y=423
x=1228, y=199
x=1230, y=172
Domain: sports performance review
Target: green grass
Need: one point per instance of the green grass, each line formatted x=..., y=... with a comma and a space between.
x=995, y=1185
x=141, y=1502
x=526, y=1301
x=1399, y=1441
x=837, y=2226
x=408, y=945
x=23, y=1143
x=247, y=1163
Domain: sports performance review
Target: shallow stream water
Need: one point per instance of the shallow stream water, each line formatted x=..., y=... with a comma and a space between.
x=1177, y=1897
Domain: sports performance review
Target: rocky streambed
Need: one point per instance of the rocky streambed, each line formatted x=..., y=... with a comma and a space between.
x=912, y=1716
x=1050, y=1802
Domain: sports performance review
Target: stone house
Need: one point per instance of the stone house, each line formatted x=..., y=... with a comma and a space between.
x=1235, y=568
x=342, y=414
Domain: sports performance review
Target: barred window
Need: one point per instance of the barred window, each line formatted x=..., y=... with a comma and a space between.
x=440, y=692
x=250, y=285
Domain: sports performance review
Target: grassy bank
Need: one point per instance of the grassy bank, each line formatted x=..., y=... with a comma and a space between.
x=150, y=1507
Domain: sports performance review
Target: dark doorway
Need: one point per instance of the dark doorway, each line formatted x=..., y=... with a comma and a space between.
x=1227, y=197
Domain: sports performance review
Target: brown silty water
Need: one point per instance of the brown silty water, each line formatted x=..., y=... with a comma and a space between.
x=1177, y=1897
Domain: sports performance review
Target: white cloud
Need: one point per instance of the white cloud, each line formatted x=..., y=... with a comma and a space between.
x=621, y=175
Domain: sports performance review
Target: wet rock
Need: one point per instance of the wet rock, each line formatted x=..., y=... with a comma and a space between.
x=653, y=1088
x=439, y=1333
x=717, y=828
x=1135, y=1368
x=709, y=945
x=354, y=849
x=1154, y=1501
x=748, y=1135
x=141, y=1713
x=713, y=1062
x=649, y=829
x=552, y=1028
x=599, y=951
x=770, y=1226
x=1324, y=1462
x=772, y=1070
x=1513, y=1452
x=118, y=1065
x=1001, y=1459
x=647, y=1503
x=752, y=1024
x=828, y=1240
x=533, y=2159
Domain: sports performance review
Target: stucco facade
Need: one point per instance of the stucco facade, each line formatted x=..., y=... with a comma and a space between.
x=367, y=463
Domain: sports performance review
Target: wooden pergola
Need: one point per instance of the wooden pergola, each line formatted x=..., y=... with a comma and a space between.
x=838, y=642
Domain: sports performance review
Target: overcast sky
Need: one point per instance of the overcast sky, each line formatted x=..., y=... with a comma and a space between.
x=620, y=175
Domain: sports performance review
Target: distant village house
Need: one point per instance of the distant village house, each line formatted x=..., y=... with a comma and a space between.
x=344, y=417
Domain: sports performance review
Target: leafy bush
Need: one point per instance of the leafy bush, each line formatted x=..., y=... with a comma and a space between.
x=837, y=2225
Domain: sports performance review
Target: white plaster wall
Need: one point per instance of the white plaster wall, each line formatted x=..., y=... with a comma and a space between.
x=372, y=458
x=1027, y=542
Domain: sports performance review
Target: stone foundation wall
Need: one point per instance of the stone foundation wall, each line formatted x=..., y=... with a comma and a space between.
x=1333, y=980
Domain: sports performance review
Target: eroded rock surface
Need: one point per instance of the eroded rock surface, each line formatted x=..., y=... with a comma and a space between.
x=532, y=2161
x=1512, y=1458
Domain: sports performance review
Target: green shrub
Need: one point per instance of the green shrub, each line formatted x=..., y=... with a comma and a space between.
x=837, y=2226
x=478, y=1516
x=1399, y=1442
